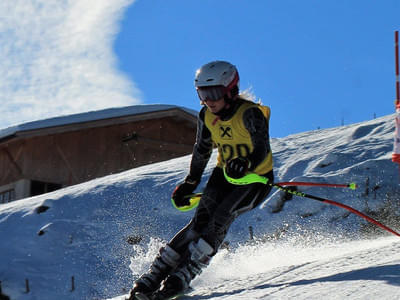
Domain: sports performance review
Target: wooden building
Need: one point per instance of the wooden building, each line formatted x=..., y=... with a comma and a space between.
x=43, y=156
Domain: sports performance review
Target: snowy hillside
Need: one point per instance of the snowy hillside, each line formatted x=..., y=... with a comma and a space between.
x=105, y=232
x=368, y=269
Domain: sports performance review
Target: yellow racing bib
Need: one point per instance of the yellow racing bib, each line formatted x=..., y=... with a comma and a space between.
x=232, y=138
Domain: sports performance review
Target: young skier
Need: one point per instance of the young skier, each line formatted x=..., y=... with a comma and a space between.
x=239, y=128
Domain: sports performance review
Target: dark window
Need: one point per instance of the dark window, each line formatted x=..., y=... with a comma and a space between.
x=40, y=187
x=7, y=196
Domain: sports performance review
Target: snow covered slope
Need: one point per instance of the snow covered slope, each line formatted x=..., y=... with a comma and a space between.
x=368, y=269
x=306, y=250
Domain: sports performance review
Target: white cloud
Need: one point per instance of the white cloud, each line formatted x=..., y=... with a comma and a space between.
x=56, y=57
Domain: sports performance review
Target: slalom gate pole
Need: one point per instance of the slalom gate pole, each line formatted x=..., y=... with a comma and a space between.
x=327, y=201
x=396, y=50
x=396, y=155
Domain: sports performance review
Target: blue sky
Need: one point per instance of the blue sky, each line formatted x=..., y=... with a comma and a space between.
x=316, y=63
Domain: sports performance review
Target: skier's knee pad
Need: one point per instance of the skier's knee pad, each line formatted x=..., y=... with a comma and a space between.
x=184, y=238
x=200, y=252
x=170, y=256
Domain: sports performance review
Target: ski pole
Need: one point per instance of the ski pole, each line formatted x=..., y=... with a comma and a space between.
x=351, y=186
x=349, y=208
x=261, y=179
x=253, y=178
x=194, y=200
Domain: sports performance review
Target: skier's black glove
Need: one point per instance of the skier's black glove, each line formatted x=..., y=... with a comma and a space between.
x=184, y=189
x=237, y=167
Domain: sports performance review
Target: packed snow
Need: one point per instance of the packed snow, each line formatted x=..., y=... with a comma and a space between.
x=90, y=241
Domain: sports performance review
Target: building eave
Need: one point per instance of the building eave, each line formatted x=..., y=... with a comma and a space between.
x=61, y=124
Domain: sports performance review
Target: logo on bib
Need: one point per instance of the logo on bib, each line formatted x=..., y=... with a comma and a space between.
x=226, y=132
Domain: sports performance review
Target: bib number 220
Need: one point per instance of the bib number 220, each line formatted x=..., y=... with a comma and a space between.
x=230, y=151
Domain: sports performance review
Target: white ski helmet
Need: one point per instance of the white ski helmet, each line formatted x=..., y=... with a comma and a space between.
x=216, y=80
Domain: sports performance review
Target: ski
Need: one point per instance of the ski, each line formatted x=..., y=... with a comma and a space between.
x=173, y=297
x=159, y=296
x=168, y=295
x=140, y=296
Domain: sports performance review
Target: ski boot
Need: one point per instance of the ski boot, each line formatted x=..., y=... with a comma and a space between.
x=165, y=262
x=177, y=284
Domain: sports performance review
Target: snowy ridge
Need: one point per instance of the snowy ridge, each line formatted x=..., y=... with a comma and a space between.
x=306, y=251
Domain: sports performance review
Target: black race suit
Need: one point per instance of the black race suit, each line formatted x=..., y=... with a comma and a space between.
x=222, y=201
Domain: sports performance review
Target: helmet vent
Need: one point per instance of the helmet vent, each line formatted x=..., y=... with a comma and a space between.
x=210, y=79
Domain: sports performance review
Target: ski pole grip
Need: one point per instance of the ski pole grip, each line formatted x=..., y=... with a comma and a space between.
x=194, y=200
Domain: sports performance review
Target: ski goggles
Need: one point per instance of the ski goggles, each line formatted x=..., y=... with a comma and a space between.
x=212, y=93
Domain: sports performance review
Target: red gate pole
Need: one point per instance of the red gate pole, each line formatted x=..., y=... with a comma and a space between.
x=396, y=145
x=396, y=49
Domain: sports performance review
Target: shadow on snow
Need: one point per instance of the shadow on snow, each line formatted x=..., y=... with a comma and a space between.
x=388, y=273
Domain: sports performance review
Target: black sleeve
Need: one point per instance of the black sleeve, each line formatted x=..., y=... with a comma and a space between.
x=201, y=151
x=257, y=125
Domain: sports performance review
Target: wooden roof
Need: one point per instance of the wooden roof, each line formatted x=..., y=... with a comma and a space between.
x=97, y=119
